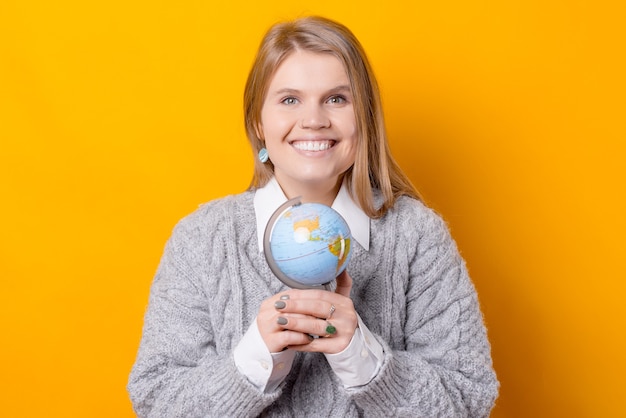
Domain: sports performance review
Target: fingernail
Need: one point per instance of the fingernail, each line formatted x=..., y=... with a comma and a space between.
x=280, y=304
x=284, y=297
x=281, y=321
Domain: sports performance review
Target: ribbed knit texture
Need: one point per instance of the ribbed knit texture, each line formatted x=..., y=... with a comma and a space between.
x=411, y=289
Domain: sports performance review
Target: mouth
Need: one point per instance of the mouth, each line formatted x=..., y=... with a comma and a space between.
x=319, y=145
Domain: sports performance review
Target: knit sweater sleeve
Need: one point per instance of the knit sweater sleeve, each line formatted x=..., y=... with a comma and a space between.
x=181, y=370
x=443, y=367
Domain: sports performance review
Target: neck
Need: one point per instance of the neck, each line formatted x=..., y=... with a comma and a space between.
x=312, y=193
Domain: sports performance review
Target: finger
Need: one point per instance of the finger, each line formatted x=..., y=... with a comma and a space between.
x=305, y=325
x=277, y=336
x=313, y=308
x=287, y=338
x=344, y=284
x=313, y=302
x=330, y=345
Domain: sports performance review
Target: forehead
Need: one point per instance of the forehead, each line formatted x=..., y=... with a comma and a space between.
x=304, y=70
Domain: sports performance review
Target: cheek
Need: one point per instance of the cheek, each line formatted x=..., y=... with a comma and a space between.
x=348, y=124
x=352, y=133
x=273, y=125
x=354, y=145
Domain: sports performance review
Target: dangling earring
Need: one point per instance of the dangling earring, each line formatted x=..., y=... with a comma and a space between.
x=263, y=155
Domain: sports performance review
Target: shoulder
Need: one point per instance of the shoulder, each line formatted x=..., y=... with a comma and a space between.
x=417, y=226
x=215, y=216
x=417, y=214
x=216, y=210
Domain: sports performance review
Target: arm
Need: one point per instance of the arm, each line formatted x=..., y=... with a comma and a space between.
x=181, y=370
x=443, y=367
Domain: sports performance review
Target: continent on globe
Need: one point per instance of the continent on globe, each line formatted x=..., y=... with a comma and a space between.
x=307, y=245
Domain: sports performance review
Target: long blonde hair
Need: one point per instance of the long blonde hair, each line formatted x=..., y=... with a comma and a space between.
x=374, y=166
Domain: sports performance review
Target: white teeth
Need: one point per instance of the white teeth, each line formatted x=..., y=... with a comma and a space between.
x=312, y=145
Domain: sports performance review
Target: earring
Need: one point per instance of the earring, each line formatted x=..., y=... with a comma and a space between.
x=263, y=155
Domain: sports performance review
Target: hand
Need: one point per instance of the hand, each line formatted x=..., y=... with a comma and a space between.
x=288, y=319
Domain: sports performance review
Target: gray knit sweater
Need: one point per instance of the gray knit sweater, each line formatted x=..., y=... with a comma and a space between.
x=411, y=289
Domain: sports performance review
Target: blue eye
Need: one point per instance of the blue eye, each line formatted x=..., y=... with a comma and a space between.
x=289, y=100
x=337, y=100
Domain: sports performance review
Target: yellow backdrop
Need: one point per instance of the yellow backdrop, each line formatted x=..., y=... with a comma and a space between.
x=118, y=118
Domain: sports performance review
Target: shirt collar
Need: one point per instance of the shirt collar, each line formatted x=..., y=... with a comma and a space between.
x=268, y=198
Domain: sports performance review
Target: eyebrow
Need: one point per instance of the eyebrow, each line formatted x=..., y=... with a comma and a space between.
x=344, y=88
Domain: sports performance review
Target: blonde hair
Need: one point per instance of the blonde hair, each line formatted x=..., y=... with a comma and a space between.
x=374, y=166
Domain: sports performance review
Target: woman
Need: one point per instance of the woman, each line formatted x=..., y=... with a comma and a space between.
x=402, y=335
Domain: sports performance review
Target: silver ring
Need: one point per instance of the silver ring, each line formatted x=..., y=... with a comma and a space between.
x=332, y=311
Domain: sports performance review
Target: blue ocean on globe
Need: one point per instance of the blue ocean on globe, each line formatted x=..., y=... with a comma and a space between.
x=310, y=243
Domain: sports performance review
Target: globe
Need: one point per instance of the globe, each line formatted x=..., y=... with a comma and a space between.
x=309, y=244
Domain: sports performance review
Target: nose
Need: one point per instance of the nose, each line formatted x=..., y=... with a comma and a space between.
x=314, y=117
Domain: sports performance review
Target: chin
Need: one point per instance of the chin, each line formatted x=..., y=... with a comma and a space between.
x=316, y=181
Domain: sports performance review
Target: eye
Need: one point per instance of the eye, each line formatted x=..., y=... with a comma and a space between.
x=289, y=100
x=337, y=100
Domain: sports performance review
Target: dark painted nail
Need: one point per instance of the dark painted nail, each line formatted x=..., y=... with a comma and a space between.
x=281, y=321
x=280, y=304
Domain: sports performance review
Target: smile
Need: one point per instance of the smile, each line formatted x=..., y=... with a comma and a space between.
x=313, y=145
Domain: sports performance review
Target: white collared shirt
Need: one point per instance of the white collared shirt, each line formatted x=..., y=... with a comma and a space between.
x=358, y=363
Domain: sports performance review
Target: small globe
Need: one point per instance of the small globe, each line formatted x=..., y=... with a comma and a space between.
x=309, y=243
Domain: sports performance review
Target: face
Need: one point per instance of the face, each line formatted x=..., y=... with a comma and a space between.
x=308, y=123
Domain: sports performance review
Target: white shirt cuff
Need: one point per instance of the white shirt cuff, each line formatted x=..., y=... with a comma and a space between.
x=263, y=369
x=360, y=361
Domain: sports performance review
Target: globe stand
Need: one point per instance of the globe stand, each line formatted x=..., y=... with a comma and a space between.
x=267, y=250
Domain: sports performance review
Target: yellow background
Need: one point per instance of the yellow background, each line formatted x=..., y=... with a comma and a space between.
x=118, y=118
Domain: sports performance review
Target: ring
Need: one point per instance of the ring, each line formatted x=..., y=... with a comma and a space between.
x=332, y=311
x=330, y=329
